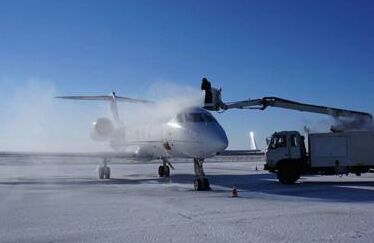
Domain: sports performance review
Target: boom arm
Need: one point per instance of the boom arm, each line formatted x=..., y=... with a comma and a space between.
x=215, y=103
x=265, y=102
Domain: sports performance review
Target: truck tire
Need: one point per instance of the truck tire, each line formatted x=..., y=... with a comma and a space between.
x=289, y=171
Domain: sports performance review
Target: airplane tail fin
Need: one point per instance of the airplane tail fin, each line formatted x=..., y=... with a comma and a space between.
x=252, y=141
x=112, y=98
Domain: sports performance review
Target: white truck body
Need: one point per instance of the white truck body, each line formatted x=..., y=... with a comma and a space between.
x=329, y=153
x=343, y=149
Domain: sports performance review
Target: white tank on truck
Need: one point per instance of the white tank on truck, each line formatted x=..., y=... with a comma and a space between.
x=328, y=154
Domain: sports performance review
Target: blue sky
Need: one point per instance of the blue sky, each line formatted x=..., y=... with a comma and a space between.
x=319, y=52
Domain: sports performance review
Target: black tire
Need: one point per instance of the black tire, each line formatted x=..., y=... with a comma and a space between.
x=196, y=185
x=206, y=184
x=167, y=171
x=201, y=185
x=289, y=172
x=161, y=171
x=107, y=173
x=101, y=172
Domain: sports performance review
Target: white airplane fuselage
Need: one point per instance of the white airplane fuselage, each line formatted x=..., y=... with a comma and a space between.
x=191, y=133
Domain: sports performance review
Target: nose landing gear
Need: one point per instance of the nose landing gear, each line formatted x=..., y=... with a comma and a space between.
x=201, y=183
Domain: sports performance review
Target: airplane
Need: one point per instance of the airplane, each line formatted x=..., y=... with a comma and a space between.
x=190, y=132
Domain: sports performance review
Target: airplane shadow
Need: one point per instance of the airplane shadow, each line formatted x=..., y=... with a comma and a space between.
x=78, y=181
x=267, y=184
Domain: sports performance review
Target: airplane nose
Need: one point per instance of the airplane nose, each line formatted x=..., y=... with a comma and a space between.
x=216, y=139
x=209, y=140
x=221, y=141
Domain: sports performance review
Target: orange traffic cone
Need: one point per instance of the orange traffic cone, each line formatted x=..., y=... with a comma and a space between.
x=234, y=192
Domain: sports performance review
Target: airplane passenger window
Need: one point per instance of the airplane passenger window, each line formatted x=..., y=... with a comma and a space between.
x=194, y=117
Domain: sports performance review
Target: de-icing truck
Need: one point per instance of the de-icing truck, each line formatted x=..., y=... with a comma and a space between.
x=328, y=154
x=347, y=149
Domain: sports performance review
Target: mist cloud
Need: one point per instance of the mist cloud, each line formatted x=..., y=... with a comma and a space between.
x=33, y=120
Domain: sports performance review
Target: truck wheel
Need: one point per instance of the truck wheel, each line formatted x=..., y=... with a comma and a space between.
x=289, y=172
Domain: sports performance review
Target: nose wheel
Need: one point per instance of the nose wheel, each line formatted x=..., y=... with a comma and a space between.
x=201, y=183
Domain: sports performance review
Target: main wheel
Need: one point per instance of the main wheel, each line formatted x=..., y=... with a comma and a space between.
x=106, y=172
x=161, y=171
x=166, y=171
x=289, y=172
x=101, y=172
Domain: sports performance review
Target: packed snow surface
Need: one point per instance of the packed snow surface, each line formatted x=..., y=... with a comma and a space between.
x=59, y=199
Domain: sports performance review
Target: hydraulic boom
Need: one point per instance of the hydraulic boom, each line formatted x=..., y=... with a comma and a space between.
x=214, y=102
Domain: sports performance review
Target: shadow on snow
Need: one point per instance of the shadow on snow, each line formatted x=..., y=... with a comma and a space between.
x=340, y=191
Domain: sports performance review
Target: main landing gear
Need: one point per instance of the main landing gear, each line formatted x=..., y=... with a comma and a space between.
x=104, y=170
x=164, y=169
x=201, y=183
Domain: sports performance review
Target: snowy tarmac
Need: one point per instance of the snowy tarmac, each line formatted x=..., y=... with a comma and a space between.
x=59, y=199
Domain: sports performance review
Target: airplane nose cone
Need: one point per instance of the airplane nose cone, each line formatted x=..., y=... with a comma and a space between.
x=215, y=139
x=209, y=140
x=221, y=142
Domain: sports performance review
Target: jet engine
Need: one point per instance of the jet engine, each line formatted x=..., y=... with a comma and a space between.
x=102, y=129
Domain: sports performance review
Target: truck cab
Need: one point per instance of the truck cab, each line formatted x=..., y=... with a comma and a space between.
x=286, y=155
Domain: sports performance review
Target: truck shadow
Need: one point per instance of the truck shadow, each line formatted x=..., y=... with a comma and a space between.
x=340, y=191
x=267, y=184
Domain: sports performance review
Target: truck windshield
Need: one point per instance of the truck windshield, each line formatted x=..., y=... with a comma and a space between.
x=293, y=141
x=277, y=142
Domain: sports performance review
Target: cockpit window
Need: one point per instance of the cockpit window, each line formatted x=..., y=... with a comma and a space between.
x=208, y=117
x=180, y=118
x=194, y=117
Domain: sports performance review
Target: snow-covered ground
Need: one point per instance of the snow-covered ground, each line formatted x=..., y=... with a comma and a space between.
x=60, y=200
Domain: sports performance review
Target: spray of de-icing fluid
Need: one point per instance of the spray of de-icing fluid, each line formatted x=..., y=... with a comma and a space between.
x=34, y=121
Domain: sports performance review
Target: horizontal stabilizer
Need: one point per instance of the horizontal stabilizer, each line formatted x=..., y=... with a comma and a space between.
x=106, y=98
x=112, y=98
